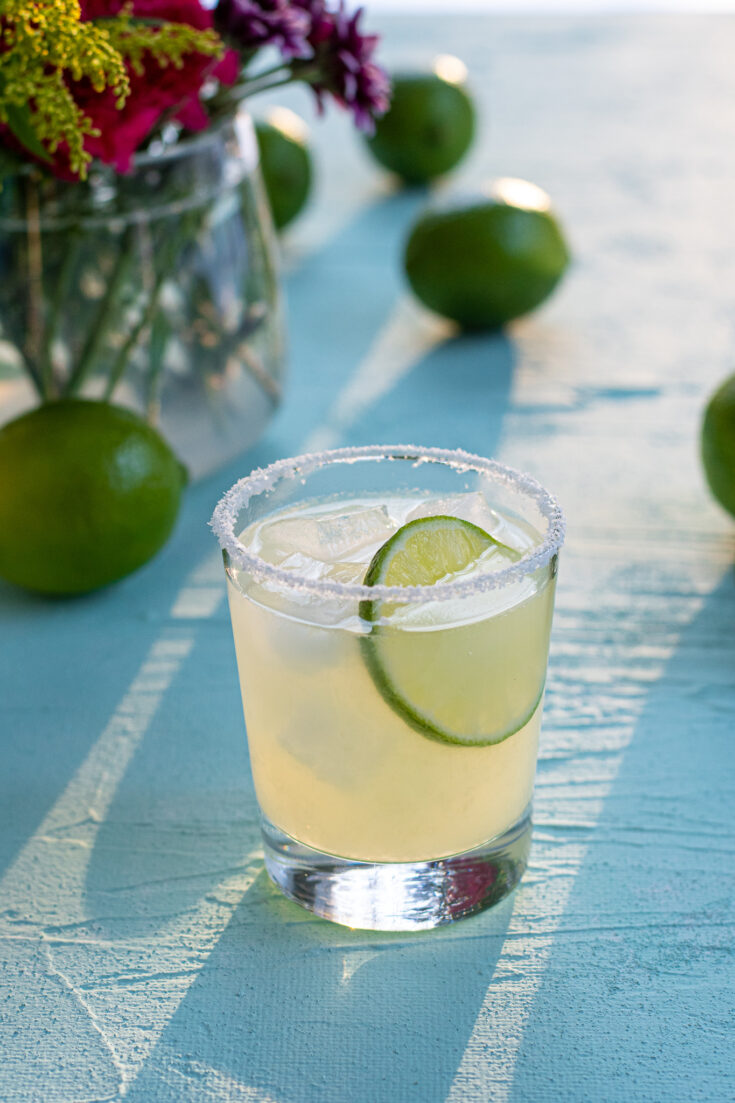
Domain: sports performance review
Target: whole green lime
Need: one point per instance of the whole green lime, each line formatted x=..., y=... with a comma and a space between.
x=429, y=125
x=718, y=444
x=486, y=260
x=285, y=163
x=88, y=493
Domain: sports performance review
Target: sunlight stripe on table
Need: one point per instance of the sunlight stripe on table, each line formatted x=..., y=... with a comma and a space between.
x=403, y=341
x=406, y=337
x=95, y=782
x=43, y=891
x=51, y=867
x=53, y=863
x=487, y=1068
x=200, y=597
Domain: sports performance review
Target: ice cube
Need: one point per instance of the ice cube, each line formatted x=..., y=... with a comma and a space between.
x=468, y=507
x=342, y=534
x=302, y=646
x=474, y=508
x=349, y=570
x=342, y=753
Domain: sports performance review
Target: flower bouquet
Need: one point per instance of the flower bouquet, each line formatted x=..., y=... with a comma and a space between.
x=136, y=248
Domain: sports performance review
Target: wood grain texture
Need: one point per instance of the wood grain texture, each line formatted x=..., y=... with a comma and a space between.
x=143, y=953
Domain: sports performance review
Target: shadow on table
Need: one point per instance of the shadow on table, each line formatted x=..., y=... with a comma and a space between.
x=289, y=1008
x=456, y=396
x=338, y=1006
x=287, y=1005
x=467, y=375
x=183, y=816
x=63, y=671
x=339, y=298
x=342, y=296
x=137, y=863
x=638, y=989
x=342, y=303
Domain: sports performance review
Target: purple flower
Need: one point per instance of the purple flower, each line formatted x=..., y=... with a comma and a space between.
x=343, y=58
x=320, y=20
x=250, y=24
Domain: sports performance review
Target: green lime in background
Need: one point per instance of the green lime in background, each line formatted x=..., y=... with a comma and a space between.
x=718, y=444
x=88, y=493
x=488, y=259
x=429, y=125
x=285, y=163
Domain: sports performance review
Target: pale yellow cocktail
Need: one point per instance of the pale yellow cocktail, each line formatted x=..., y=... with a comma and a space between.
x=392, y=646
x=334, y=765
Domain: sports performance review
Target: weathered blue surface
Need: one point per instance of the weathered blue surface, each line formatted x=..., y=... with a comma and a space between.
x=143, y=954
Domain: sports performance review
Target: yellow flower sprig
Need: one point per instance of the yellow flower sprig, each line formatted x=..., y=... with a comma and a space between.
x=45, y=43
x=166, y=43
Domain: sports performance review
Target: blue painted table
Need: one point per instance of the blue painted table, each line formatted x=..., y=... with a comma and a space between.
x=143, y=953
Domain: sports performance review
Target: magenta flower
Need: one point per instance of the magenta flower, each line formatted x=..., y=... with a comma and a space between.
x=343, y=59
x=250, y=24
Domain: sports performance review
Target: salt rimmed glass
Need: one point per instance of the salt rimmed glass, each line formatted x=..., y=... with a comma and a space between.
x=369, y=817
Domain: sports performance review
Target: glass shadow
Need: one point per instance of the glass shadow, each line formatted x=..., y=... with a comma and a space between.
x=637, y=1000
x=289, y=1008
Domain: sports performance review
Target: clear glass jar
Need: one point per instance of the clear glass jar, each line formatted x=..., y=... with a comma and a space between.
x=157, y=288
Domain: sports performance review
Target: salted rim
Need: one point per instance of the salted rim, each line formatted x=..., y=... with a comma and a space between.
x=263, y=479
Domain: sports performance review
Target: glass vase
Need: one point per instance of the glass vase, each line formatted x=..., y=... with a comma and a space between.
x=157, y=289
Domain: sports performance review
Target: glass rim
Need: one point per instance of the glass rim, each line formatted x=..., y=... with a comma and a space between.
x=263, y=479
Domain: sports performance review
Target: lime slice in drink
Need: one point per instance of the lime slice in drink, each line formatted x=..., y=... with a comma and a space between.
x=454, y=684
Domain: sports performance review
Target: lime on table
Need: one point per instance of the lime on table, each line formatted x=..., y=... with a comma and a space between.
x=718, y=444
x=285, y=163
x=441, y=681
x=429, y=125
x=488, y=259
x=88, y=493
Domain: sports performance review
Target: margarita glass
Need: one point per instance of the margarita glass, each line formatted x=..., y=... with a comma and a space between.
x=391, y=609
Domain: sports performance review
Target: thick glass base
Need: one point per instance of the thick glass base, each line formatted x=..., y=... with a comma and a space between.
x=398, y=896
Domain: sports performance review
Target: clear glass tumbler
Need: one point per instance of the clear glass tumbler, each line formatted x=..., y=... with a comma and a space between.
x=392, y=723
